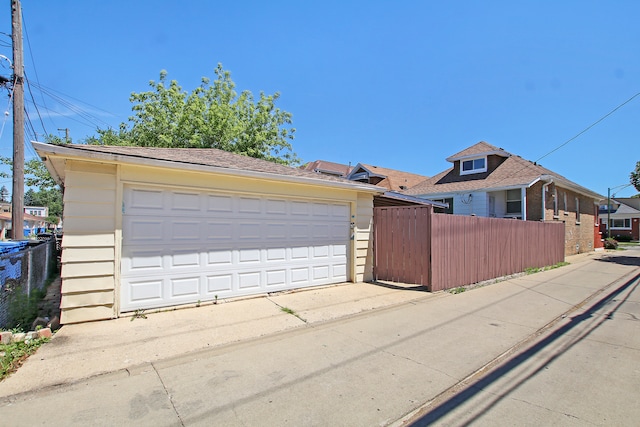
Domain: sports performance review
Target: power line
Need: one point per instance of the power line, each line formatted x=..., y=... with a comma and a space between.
x=590, y=126
x=33, y=62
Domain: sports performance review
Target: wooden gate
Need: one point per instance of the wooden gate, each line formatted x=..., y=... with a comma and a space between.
x=402, y=244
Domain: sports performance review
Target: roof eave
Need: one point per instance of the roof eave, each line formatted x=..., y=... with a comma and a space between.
x=45, y=150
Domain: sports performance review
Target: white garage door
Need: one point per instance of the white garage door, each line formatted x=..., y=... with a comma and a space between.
x=183, y=247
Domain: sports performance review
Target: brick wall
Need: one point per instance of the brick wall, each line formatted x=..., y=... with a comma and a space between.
x=579, y=234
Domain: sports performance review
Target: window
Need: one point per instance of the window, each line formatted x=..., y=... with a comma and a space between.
x=514, y=202
x=448, y=200
x=474, y=166
x=564, y=197
x=621, y=223
x=577, y=211
x=555, y=203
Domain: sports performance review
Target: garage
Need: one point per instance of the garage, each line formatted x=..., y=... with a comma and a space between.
x=150, y=228
x=182, y=247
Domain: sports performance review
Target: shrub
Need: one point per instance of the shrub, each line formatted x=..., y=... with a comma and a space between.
x=610, y=243
x=623, y=238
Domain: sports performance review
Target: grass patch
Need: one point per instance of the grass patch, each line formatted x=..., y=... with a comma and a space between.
x=532, y=270
x=457, y=290
x=292, y=312
x=13, y=355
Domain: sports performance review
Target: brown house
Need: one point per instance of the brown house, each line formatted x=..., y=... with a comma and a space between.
x=488, y=181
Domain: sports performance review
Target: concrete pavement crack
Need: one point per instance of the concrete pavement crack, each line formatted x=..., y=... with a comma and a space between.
x=168, y=395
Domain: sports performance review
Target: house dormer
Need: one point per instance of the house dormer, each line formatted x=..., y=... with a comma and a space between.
x=478, y=159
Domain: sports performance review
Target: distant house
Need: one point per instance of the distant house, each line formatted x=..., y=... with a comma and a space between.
x=623, y=218
x=32, y=224
x=328, y=168
x=392, y=179
x=41, y=211
x=488, y=181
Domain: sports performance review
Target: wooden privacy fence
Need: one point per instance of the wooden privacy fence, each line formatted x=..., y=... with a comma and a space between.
x=440, y=251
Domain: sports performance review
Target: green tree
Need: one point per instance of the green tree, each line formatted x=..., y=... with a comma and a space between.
x=37, y=176
x=635, y=176
x=211, y=116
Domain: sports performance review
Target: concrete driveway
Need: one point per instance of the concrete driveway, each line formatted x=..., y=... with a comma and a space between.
x=558, y=347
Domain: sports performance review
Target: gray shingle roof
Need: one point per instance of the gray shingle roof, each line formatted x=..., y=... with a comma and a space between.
x=513, y=172
x=207, y=157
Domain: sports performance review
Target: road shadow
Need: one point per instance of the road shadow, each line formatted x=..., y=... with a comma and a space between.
x=621, y=259
x=400, y=286
x=443, y=408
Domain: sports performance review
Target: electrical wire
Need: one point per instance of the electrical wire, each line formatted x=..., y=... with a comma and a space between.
x=570, y=139
x=33, y=62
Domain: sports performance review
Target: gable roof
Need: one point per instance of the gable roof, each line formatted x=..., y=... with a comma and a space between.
x=480, y=149
x=513, y=172
x=323, y=166
x=205, y=159
x=392, y=179
x=625, y=209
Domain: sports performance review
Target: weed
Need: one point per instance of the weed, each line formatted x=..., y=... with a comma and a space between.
x=198, y=303
x=138, y=314
x=293, y=313
x=215, y=301
x=14, y=354
x=531, y=270
x=457, y=290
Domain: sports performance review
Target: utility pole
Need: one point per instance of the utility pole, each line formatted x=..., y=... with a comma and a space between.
x=66, y=135
x=17, y=198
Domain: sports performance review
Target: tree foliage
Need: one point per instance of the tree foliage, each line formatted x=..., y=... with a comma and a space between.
x=634, y=176
x=211, y=116
x=47, y=192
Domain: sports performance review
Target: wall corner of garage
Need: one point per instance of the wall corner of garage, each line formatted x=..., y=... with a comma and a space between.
x=363, y=236
x=88, y=244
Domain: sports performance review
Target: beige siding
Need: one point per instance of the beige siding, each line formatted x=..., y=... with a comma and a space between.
x=87, y=314
x=364, y=238
x=88, y=254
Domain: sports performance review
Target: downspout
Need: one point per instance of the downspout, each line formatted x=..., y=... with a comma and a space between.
x=544, y=198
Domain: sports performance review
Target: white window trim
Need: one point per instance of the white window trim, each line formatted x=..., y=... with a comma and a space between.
x=472, y=171
x=623, y=227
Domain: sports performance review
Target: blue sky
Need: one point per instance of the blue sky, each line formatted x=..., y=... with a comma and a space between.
x=397, y=84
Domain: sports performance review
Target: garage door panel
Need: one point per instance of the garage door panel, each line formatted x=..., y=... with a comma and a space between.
x=185, y=258
x=276, y=231
x=339, y=271
x=185, y=246
x=276, y=278
x=276, y=207
x=142, y=293
x=339, y=251
x=249, y=205
x=300, y=275
x=217, y=231
x=249, y=280
x=185, y=230
x=185, y=202
x=276, y=254
x=300, y=253
x=339, y=211
x=249, y=230
x=141, y=230
x=320, y=272
x=219, y=258
x=184, y=287
x=219, y=203
x=249, y=256
x=320, y=252
x=145, y=201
